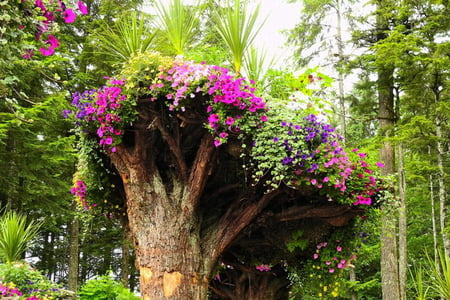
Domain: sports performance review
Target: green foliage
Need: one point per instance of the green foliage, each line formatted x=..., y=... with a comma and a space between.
x=238, y=29
x=105, y=288
x=29, y=281
x=439, y=270
x=419, y=283
x=178, y=23
x=129, y=36
x=15, y=235
x=297, y=241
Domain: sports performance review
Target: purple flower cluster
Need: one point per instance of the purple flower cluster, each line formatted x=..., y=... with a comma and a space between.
x=323, y=163
x=102, y=107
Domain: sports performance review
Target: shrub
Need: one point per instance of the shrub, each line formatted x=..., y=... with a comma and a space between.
x=105, y=288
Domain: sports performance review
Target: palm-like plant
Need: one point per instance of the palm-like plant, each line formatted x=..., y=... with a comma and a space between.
x=255, y=64
x=439, y=275
x=178, y=23
x=129, y=36
x=419, y=284
x=15, y=235
x=238, y=29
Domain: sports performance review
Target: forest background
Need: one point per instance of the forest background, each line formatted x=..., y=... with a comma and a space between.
x=401, y=47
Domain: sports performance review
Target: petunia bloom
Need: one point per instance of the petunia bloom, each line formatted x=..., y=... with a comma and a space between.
x=83, y=8
x=69, y=16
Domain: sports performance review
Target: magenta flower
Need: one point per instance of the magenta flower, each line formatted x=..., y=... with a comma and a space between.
x=82, y=7
x=379, y=164
x=47, y=51
x=69, y=16
x=54, y=43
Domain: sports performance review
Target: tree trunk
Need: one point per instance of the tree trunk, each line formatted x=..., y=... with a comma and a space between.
x=402, y=226
x=433, y=222
x=441, y=187
x=74, y=254
x=342, y=121
x=389, y=256
x=164, y=225
x=125, y=274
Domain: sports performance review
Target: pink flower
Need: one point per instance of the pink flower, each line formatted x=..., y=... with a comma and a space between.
x=47, y=51
x=316, y=256
x=338, y=248
x=379, y=164
x=229, y=121
x=264, y=118
x=362, y=155
x=69, y=16
x=223, y=135
x=82, y=7
x=28, y=54
x=326, y=179
x=313, y=181
x=331, y=270
x=217, y=142
x=54, y=43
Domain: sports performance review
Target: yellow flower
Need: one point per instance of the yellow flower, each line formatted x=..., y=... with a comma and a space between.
x=325, y=288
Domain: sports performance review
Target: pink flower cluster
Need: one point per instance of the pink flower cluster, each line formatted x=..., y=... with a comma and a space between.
x=79, y=191
x=334, y=262
x=8, y=291
x=48, y=15
x=353, y=178
x=263, y=268
x=233, y=99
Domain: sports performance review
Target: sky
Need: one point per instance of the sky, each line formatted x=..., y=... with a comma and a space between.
x=280, y=16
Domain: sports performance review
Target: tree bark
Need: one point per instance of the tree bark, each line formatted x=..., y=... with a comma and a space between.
x=402, y=226
x=389, y=255
x=74, y=254
x=441, y=188
x=162, y=217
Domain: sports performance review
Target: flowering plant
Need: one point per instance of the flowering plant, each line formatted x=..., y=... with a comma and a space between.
x=20, y=279
x=231, y=104
x=307, y=151
x=46, y=13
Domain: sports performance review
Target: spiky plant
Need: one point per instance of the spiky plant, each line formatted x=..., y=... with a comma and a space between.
x=129, y=36
x=178, y=23
x=238, y=29
x=16, y=234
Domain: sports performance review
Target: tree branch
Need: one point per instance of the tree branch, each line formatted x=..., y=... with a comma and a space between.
x=173, y=146
x=201, y=169
x=235, y=220
x=336, y=215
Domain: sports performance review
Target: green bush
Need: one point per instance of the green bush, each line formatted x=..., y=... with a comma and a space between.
x=105, y=288
x=29, y=281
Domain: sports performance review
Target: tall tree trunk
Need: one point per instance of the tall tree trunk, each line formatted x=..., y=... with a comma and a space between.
x=340, y=44
x=164, y=225
x=402, y=226
x=74, y=254
x=433, y=222
x=389, y=256
x=441, y=187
